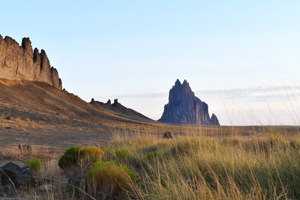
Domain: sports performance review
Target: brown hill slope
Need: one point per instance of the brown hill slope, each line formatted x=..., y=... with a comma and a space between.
x=36, y=100
x=118, y=109
x=36, y=113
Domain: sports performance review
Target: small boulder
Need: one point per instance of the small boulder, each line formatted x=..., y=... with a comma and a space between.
x=46, y=187
x=7, y=191
x=76, y=185
x=168, y=134
x=12, y=174
x=9, y=118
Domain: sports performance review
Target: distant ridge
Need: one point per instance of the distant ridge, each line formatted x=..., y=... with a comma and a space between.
x=23, y=63
x=185, y=108
x=120, y=110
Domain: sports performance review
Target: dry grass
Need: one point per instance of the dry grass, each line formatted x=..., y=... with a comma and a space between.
x=262, y=165
x=14, y=153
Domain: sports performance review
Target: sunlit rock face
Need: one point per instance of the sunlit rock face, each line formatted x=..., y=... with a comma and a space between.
x=24, y=63
x=185, y=108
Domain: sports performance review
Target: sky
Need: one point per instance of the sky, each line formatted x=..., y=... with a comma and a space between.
x=240, y=57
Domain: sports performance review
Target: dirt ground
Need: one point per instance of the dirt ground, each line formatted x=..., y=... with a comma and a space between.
x=56, y=137
x=36, y=114
x=61, y=138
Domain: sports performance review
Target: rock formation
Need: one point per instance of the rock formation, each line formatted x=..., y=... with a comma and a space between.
x=214, y=120
x=22, y=63
x=185, y=108
x=120, y=110
x=16, y=176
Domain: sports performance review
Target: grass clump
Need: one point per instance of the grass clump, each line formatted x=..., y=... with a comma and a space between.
x=122, y=154
x=35, y=164
x=77, y=153
x=109, y=178
x=151, y=156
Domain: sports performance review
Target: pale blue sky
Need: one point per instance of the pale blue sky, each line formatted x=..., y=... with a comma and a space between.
x=236, y=55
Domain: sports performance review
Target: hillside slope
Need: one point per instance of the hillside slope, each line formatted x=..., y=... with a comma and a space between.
x=118, y=109
x=34, y=100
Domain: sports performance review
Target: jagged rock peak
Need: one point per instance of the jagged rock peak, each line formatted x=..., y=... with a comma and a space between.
x=23, y=63
x=185, y=108
x=115, y=102
x=214, y=120
x=108, y=102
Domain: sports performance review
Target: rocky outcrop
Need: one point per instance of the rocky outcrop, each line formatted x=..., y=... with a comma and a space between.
x=214, y=120
x=14, y=175
x=185, y=108
x=23, y=63
x=120, y=110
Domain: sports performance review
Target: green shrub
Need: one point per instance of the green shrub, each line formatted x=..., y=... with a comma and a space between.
x=104, y=148
x=121, y=154
x=108, y=176
x=152, y=155
x=35, y=164
x=76, y=153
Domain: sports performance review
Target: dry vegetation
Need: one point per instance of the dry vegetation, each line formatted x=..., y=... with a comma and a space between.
x=262, y=165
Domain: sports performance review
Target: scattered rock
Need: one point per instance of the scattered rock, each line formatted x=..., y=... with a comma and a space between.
x=76, y=185
x=12, y=174
x=9, y=118
x=168, y=135
x=185, y=108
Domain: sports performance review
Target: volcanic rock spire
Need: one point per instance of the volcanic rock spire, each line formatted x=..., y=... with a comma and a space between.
x=24, y=63
x=185, y=108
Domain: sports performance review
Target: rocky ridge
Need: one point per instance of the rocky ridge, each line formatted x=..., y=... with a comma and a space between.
x=24, y=63
x=185, y=108
x=120, y=110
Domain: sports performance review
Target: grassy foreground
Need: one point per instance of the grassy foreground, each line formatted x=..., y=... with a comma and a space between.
x=265, y=167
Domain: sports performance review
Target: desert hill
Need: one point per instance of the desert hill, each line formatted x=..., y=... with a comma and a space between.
x=35, y=100
x=30, y=88
x=36, y=113
x=120, y=110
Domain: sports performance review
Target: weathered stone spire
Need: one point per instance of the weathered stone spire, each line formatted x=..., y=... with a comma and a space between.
x=22, y=63
x=185, y=108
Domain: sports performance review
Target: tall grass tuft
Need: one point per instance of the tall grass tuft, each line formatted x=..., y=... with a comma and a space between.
x=109, y=179
x=35, y=164
x=264, y=167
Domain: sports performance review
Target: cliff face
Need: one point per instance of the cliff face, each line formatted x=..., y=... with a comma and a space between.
x=185, y=108
x=22, y=63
